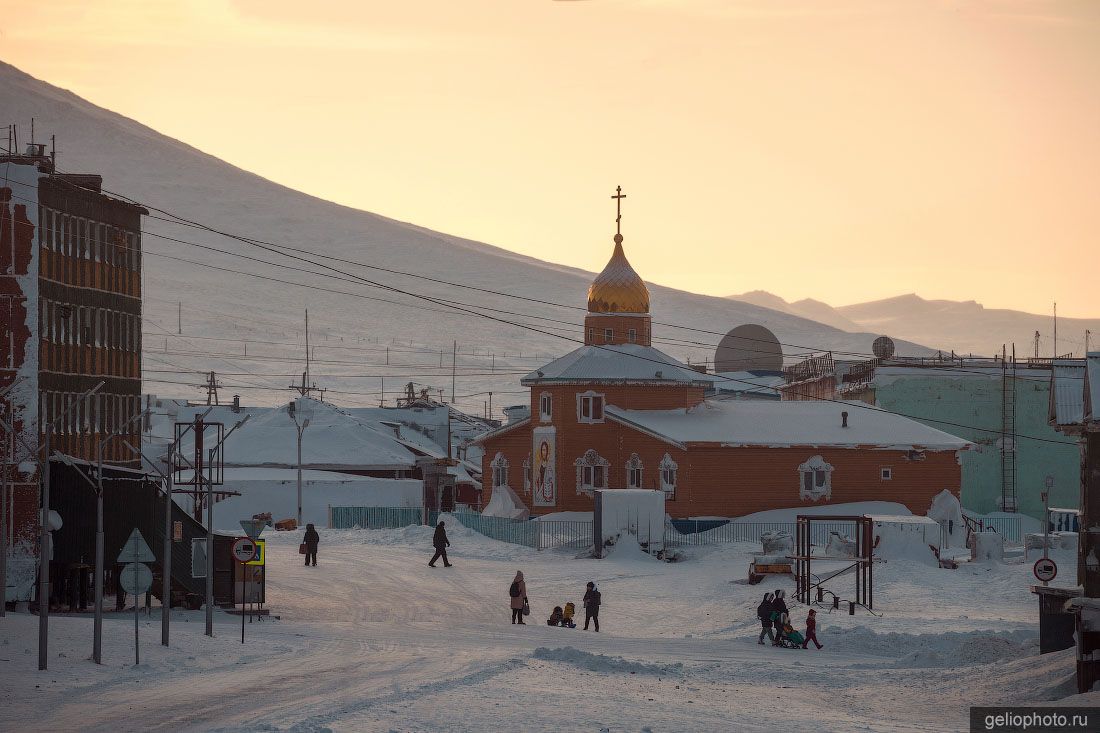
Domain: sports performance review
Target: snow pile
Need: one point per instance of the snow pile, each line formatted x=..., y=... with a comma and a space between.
x=603, y=663
x=626, y=549
x=779, y=542
x=923, y=651
x=504, y=503
x=947, y=510
x=907, y=538
x=827, y=510
x=988, y=547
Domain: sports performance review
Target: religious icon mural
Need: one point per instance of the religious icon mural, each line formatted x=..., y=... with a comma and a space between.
x=544, y=481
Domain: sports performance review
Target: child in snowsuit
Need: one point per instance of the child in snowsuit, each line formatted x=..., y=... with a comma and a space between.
x=567, y=616
x=764, y=613
x=811, y=630
x=555, y=617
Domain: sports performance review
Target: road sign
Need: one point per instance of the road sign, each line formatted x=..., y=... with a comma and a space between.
x=261, y=554
x=136, y=549
x=136, y=578
x=253, y=527
x=1045, y=569
x=244, y=549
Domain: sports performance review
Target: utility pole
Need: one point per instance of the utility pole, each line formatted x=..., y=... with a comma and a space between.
x=454, y=368
x=1087, y=334
x=179, y=322
x=1056, y=329
x=306, y=379
x=1036, y=344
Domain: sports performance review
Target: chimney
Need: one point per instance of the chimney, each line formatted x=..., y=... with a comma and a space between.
x=844, y=419
x=236, y=403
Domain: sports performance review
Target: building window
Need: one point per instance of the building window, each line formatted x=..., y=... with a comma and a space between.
x=589, y=407
x=608, y=335
x=634, y=472
x=527, y=474
x=668, y=470
x=546, y=407
x=815, y=479
x=887, y=474
x=591, y=472
x=632, y=335
x=500, y=470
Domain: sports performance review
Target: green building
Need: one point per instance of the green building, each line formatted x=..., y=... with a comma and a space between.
x=992, y=401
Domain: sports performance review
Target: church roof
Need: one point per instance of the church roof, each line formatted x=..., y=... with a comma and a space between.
x=617, y=364
x=618, y=289
x=784, y=424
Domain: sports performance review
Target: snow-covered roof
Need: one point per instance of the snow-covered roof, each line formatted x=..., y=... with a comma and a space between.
x=1067, y=392
x=748, y=382
x=781, y=424
x=333, y=440
x=507, y=427
x=618, y=363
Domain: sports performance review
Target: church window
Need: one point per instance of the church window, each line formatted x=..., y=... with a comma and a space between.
x=668, y=469
x=634, y=472
x=589, y=407
x=591, y=472
x=546, y=407
x=608, y=335
x=632, y=335
x=500, y=470
x=527, y=474
x=815, y=479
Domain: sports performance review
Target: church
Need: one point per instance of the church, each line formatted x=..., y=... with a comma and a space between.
x=618, y=413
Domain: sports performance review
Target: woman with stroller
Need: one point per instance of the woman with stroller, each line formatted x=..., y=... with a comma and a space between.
x=779, y=611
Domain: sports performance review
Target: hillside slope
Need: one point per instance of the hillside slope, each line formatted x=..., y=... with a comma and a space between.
x=350, y=334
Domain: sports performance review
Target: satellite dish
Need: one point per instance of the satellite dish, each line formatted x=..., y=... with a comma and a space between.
x=883, y=348
x=749, y=348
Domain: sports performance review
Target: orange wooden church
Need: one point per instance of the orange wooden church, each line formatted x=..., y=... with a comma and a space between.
x=618, y=413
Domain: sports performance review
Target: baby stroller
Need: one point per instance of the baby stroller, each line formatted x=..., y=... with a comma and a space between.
x=788, y=638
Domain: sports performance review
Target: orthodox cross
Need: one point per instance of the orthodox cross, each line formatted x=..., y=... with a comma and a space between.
x=619, y=196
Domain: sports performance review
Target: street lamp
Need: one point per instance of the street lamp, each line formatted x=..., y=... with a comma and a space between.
x=300, y=409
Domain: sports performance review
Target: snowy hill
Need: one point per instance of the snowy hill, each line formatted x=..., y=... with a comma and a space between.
x=250, y=330
x=963, y=326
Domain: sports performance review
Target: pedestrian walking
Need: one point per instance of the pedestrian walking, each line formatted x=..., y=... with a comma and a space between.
x=811, y=630
x=441, y=544
x=779, y=611
x=517, y=597
x=764, y=613
x=592, y=601
x=311, y=540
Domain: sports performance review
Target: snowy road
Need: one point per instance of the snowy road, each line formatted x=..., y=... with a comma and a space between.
x=372, y=639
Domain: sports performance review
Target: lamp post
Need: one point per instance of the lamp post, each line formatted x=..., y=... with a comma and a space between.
x=210, y=524
x=301, y=407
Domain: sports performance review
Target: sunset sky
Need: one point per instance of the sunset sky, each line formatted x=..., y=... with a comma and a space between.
x=845, y=150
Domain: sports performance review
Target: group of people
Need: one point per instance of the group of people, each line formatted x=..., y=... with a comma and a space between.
x=560, y=616
x=773, y=611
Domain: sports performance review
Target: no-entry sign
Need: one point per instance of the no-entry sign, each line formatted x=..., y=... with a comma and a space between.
x=1045, y=569
x=244, y=549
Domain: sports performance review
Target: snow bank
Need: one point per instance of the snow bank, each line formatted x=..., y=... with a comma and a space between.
x=605, y=664
x=947, y=510
x=827, y=510
x=640, y=512
x=917, y=651
x=988, y=547
x=626, y=549
x=504, y=503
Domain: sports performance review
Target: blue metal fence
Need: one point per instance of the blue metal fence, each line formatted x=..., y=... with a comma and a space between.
x=516, y=531
x=1007, y=527
x=710, y=531
x=374, y=517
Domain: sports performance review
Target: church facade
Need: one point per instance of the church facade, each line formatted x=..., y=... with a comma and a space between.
x=618, y=413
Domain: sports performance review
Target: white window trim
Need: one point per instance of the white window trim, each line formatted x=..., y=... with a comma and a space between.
x=815, y=466
x=581, y=397
x=886, y=473
x=591, y=460
x=546, y=400
x=634, y=464
x=666, y=465
x=499, y=463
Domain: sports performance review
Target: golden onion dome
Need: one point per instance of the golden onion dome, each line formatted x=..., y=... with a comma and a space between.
x=618, y=289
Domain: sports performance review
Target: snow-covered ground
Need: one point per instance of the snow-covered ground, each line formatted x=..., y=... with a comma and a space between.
x=374, y=640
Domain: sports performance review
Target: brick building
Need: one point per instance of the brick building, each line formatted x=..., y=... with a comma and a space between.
x=618, y=413
x=70, y=302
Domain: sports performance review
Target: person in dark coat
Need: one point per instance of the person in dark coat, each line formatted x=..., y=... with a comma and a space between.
x=779, y=610
x=764, y=613
x=441, y=544
x=311, y=539
x=592, y=600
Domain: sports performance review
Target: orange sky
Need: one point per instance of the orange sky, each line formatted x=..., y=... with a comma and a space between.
x=844, y=150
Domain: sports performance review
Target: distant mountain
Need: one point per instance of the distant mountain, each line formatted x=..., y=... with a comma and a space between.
x=815, y=310
x=962, y=326
x=363, y=338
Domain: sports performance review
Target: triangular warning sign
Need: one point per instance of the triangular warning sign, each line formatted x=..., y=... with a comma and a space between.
x=136, y=549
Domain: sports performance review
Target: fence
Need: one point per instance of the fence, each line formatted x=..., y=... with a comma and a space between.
x=1007, y=527
x=374, y=517
x=714, y=531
